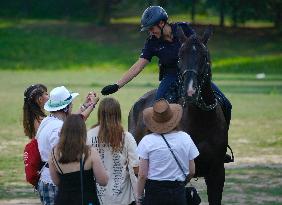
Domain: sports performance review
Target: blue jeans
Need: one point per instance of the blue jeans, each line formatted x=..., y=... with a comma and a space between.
x=164, y=193
x=165, y=85
x=47, y=193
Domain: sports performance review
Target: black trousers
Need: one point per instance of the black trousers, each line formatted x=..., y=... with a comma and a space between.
x=164, y=193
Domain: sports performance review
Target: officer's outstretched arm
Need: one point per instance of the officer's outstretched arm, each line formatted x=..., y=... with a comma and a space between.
x=135, y=69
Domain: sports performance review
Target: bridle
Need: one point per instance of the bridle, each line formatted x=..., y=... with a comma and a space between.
x=204, y=78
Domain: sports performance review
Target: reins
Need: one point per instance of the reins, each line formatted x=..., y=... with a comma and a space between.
x=199, y=100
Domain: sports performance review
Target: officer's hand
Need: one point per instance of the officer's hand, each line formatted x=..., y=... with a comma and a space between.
x=109, y=89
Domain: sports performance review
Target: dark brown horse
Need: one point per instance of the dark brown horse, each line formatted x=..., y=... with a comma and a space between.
x=203, y=117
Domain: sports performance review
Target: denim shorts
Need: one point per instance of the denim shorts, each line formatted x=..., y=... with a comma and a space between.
x=47, y=193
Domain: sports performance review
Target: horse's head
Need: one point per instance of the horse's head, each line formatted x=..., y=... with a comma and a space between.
x=194, y=63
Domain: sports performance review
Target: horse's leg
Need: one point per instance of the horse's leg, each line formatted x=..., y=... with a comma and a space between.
x=131, y=123
x=215, y=182
x=135, y=118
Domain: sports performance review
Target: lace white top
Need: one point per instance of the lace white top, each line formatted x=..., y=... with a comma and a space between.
x=119, y=189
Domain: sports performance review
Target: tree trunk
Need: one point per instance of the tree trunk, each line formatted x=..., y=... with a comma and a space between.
x=26, y=7
x=234, y=14
x=221, y=9
x=150, y=2
x=67, y=9
x=278, y=17
x=193, y=11
x=162, y=3
x=104, y=12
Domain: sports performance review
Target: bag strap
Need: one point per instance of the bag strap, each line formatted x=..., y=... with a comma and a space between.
x=81, y=179
x=174, y=157
x=40, y=128
x=56, y=162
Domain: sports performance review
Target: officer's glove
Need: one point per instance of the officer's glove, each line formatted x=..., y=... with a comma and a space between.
x=109, y=89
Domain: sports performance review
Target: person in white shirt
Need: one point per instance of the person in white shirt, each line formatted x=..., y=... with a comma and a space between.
x=60, y=106
x=159, y=174
x=117, y=148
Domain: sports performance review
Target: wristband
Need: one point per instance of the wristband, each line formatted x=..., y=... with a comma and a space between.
x=83, y=107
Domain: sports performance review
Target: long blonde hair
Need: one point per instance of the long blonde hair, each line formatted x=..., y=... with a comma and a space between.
x=109, y=119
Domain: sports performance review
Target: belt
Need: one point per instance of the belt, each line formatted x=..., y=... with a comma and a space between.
x=165, y=183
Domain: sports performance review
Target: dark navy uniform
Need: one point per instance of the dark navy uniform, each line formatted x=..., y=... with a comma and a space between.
x=167, y=52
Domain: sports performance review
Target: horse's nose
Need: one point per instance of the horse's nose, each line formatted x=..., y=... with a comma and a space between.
x=191, y=90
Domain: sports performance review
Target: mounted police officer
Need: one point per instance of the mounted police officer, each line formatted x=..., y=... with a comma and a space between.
x=163, y=43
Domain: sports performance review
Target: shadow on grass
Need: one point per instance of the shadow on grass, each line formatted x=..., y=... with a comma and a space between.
x=254, y=185
x=74, y=45
x=22, y=48
x=243, y=185
x=13, y=192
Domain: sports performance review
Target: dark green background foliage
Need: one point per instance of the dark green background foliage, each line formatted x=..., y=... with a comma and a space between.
x=101, y=11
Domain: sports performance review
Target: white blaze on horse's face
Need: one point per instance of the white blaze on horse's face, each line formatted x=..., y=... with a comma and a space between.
x=190, y=91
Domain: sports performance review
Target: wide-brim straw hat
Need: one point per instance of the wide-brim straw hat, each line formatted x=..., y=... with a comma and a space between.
x=59, y=98
x=162, y=117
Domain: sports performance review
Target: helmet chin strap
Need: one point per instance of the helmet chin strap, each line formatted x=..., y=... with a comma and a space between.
x=162, y=30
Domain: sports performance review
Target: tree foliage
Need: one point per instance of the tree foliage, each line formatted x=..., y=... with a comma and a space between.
x=101, y=11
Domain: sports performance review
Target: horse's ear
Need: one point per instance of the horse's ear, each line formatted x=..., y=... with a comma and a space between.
x=181, y=35
x=207, y=35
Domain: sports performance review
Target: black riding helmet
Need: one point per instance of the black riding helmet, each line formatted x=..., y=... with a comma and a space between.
x=152, y=16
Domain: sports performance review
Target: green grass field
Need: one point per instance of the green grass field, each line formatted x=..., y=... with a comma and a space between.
x=84, y=57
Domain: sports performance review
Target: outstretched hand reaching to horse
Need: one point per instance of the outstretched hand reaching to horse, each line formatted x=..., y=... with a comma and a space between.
x=110, y=89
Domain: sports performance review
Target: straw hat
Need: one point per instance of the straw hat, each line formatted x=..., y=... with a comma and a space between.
x=162, y=117
x=59, y=98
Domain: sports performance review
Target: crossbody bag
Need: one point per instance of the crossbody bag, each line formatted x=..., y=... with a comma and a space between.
x=191, y=194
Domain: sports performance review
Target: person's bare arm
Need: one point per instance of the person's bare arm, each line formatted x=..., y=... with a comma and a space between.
x=128, y=76
x=87, y=107
x=135, y=69
x=53, y=171
x=99, y=170
x=192, y=169
x=142, y=177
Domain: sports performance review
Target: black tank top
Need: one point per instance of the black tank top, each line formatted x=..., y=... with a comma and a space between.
x=70, y=187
